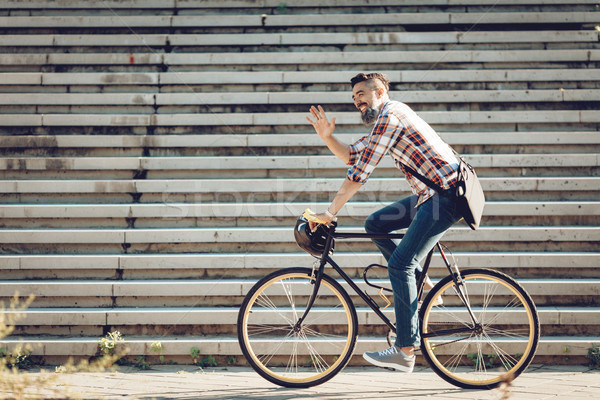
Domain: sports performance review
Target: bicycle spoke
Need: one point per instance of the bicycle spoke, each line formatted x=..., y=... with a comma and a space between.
x=323, y=316
x=503, y=341
x=480, y=359
x=505, y=357
x=291, y=355
x=487, y=299
x=514, y=333
x=292, y=365
x=287, y=288
x=261, y=329
x=465, y=291
x=454, y=362
x=449, y=312
x=266, y=302
x=513, y=304
x=317, y=361
x=322, y=335
x=266, y=358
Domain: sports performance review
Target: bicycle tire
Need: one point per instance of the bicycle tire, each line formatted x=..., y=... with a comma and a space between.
x=504, y=346
x=290, y=357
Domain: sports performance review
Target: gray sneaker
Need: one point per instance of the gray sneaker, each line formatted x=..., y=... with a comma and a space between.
x=391, y=358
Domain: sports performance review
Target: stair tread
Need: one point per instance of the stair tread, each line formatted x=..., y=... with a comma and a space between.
x=517, y=259
x=221, y=344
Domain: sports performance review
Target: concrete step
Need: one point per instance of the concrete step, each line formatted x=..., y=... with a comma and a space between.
x=265, y=21
x=278, y=235
x=512, y=119
x=89, y=4
x=241, y=4
x=258, y=264
x=315, y=58
x=52, y=296
x=294, y=98
x=224, y=4
x=222, y=41
x=284, y=186
x=396, y=76
x=226, y=265
x=283, y=78
x=268, y=210
x=262, y=239
x=16, y=143
x=372, y=58
x=121, y=317
x=275, y=162
x=550, y=346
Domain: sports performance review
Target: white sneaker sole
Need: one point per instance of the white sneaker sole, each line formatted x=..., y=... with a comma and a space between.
x=394, y=366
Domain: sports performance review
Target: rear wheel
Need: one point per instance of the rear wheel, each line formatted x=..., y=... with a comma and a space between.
x=498, y=348
x=292, y=356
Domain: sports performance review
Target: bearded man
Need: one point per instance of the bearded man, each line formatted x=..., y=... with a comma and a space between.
x=427, y=214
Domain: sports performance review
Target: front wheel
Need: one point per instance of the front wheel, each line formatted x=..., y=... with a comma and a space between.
x=497, y=347
x=290, y=355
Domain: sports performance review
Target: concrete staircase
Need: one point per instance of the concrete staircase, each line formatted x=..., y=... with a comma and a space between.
x=155, y=155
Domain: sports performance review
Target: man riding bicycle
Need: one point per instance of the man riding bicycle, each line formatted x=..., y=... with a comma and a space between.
x=427, y=214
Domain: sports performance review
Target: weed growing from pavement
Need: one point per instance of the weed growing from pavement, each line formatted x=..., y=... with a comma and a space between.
x=203, y=361
x=21, y=358
x=594, y=355
x=231, y=360
x=195, y=354
x=111, y=344
x=157, y=348
x=143, y=363
x=16, y=383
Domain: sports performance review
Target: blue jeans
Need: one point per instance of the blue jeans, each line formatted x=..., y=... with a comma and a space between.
x=426, y=225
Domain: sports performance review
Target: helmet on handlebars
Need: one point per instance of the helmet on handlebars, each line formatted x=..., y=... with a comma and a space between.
x=309, y=241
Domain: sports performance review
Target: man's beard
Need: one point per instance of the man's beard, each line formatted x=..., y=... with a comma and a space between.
x=369, y=116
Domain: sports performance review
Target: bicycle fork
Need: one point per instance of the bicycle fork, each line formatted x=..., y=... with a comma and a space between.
x=317, y=276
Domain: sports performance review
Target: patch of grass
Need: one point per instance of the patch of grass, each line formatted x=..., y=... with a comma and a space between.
x=231, y=360
x=202, y=360
x=594, y=355
x=208, y=361
x=566, y=351
x=195, y=354
x=20, y=359
x=157, y=348
x=142, y=363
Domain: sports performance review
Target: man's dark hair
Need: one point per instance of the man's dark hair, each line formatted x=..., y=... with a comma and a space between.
x=370, y=78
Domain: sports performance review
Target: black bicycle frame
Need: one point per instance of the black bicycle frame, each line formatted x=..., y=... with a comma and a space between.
x=326, y=259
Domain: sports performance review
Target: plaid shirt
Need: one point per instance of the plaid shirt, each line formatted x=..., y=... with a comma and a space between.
x=410, y=141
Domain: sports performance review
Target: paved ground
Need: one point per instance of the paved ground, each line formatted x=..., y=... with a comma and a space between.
x=187, y=382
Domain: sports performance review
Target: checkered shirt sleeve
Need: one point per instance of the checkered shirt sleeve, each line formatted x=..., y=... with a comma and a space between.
x=368, y=151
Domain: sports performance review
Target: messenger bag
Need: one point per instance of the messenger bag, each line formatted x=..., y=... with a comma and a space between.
x=469, y=195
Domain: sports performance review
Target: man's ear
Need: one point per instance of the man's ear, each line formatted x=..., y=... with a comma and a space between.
x=380, y=92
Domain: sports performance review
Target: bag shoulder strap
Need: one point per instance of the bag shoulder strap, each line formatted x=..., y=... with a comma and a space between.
x=423, y=179
x=428, y=181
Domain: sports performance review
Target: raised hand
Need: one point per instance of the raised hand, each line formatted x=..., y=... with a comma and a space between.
x=321, y=124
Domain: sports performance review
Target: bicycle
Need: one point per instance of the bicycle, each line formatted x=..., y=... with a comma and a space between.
x=298, y=327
